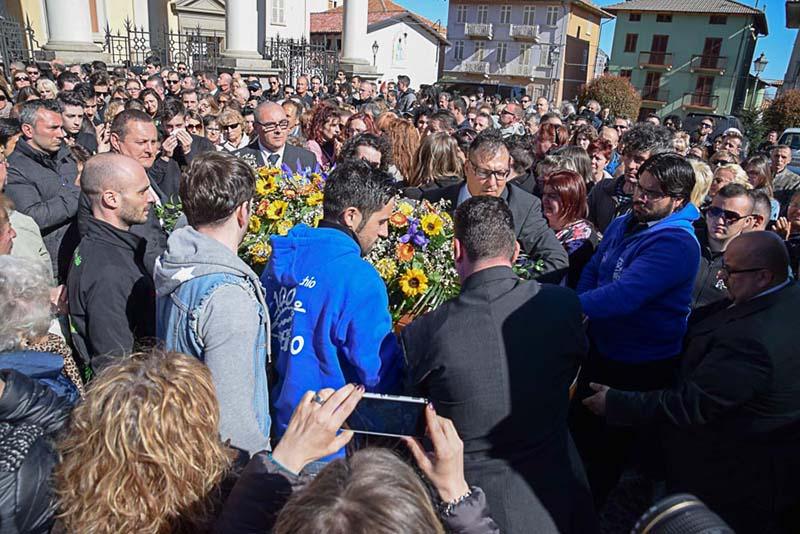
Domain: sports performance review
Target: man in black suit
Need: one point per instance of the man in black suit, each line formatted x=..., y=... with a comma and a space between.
x=731, y=424
x=269, y=147
x=486, y=170
x=499, y=360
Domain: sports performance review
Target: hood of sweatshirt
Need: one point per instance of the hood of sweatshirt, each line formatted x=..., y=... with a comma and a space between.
x=190, y=254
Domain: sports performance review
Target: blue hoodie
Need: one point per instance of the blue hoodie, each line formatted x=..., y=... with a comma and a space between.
x=637, y=289
x=330, y=319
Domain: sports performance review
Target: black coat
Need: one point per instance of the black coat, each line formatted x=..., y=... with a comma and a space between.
x=416, y=193
x=43, y=187
x=499, y=360
x=707, y=288
x=536, y=239
x=731, y=425
x=292, y=156
x=200, y=145
x=603, y=208
x=30, y=415
x=111, y=294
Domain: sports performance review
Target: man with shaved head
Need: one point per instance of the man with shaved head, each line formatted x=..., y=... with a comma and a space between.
x=111, y=294
x=269, y=148
x=730, y=425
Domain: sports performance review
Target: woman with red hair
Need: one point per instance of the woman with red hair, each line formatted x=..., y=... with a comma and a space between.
x=549, y=138
x=323, y=133
x=600, y=151
x=565, y=208
x=358, y=124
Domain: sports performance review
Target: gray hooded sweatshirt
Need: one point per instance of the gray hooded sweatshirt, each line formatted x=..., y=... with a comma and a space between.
x=225, y=324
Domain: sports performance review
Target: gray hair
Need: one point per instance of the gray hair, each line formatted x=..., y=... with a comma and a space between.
x=24, y=302
x=29, y=112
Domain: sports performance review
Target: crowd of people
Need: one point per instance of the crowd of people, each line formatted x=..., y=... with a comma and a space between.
x=152, y=382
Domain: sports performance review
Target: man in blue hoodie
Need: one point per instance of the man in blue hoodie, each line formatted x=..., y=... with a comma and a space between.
x=636, y=293
x=329, y=307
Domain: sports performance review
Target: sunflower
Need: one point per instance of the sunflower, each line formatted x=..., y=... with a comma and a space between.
x=413, y=282
x=314, y=199
x=404, y=251
x=284, y=226
x=255, y=224
x=265, y=186
x=259, y=252
x=432, y=224
x=405, y=208
x=387, y=268
x=277, y=209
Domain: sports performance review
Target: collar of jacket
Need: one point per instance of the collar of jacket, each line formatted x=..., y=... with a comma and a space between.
x=102, y=231
x=733, y=313
x=42, y=158
x=490, y=274
x=342, y=228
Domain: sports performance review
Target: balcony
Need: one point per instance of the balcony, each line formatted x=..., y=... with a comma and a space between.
x=708, y=64
x=519, y=70
x=700, y=101
x=475, y=67
x=655, y=60
x=793, y=13
x=654, y=97
x=478, y=31
x=522, y=32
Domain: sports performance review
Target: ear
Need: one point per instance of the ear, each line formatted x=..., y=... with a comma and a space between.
x=110, y=199
x=351, y=218
x=243, y=214
x=27, y=130
x=458, y=251
x=114, y=140
x=515, y=255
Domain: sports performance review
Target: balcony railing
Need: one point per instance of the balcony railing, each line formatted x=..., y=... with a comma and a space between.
x=478, y=31
x=519, y=70
x=708, y=64
x=654, y=96
x=700, y=101
x=524, y=33
x=655, y=60
x=475, y=67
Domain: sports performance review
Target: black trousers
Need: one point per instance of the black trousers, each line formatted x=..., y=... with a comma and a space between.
x=607, y=450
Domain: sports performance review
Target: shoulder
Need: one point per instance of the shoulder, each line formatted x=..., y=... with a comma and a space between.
x=23, y=222
x=519, y=197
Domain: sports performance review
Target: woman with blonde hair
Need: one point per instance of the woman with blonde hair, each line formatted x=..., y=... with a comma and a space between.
x=727, y=174
x=231, y=124
x=680, y=142
x=405, y=143
x=208, y=106
x=142, y=452
x=47, y=88
x=437, y=165
x=702, y=181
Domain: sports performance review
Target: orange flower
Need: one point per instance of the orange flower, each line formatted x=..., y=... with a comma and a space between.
x=398, y=219
x=289, y=193
x=261, y=209
x=405, y=251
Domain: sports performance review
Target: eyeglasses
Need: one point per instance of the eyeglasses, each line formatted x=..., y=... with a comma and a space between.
x=190, y=126
x=720, y=162
x=230, y=126
x=651, y=194
x=486, y=174
x=525, y=101
x=272, y=126
x=728, y=216
x=706, y=125
x=212, y=129
x=725, y=271
x=174, y=82
x=21, y=78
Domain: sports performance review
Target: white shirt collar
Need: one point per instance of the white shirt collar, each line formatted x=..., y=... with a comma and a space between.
x=463, y=195
x=266, y=153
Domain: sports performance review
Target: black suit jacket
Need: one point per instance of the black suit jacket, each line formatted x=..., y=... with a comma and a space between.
x=536, y=239
x=292, y=156
x=498, y=360
x=731, y=425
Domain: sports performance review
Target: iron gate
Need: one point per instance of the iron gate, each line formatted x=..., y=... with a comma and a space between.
x=16, y=43
x=295, y=57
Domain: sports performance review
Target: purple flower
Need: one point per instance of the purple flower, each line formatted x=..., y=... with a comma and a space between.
x=414, y=234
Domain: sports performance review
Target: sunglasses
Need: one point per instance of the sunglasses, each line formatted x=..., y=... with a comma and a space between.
x=728, y=216
x=721, y=162
x=190, y=126
x=706, y=125
x=229, y=126
x=173, y=82
x=21, y=78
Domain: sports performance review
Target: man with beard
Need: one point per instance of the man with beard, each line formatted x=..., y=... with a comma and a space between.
x=111, y=294
x=636, y=292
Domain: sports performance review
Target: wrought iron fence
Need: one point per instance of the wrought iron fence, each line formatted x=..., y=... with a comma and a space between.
x=295, y=57
x=17, y=43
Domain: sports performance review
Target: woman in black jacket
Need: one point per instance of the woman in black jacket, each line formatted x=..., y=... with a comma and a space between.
x=437, y=165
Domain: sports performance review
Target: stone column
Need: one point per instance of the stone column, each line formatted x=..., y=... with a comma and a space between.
x=70, y=30
x=354, y=40
x=241, y=29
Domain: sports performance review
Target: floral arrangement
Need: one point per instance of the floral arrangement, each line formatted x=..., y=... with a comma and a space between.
x=283, y=199
x=416, y=260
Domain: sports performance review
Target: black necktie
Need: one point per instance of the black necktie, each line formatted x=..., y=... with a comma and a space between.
x=273, y=160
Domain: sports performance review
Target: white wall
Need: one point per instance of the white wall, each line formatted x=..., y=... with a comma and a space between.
x=296, y=18
x=421, y=61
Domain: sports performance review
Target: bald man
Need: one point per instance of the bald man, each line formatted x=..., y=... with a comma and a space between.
x=731, y=424
x=269, y=148
x=111, y=294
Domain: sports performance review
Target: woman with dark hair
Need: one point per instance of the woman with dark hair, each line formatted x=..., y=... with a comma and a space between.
x=437, y=165
x=213, y=131
x=583, y=136
x=599, y=151
x=565, y=208
x=759, y=173
x=323, y=133
x=28, y=93
x=421, y=122
x=358, y=124
x=464, y=138
x=151, y=101
x=673, y=122
x=549, y=138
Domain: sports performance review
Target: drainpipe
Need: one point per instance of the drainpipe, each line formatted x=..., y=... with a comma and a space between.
x=562, y=56
x=732, y=94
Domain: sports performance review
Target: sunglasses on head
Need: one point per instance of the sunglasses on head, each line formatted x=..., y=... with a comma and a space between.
x=21, y=78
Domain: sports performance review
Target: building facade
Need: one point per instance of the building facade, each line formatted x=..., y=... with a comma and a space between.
x=548, y=48
x=687, y=55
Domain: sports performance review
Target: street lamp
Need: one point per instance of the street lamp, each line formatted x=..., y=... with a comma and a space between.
x=375, y=52
x=760, y=64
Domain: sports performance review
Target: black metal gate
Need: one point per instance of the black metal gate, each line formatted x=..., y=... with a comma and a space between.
x=16, y=43
x=295, y=57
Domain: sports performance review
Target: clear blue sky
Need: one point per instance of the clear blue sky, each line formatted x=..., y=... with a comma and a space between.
x=777, y=45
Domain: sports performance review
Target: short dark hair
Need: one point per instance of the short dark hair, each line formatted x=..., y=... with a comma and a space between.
x=354, y=183
x=673, y=173
x=8, y=128
x=153, y=60
x=734, y=190
x=405, y=80
x=447, y=119
x=172, y=108
x=522, y=154
x=67, y=77
x=120, y=123
x=216, y=184
x=484, y=226
x=646, y=137
x=459, y=104
x=761, y=201
x=69, y=98
x=100, y=66
x=158, y=79
x=379, y=143
x=85, y=91
x=487, y=141
x=99, y=78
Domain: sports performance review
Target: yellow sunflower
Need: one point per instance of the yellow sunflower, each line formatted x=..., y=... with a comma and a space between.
x=284, y=226
x=405, y=208
x=265, y=186
x=413, y=282
x=255, y=224
x=386, y=268
x=432, y=224
x=314, y=199
x=277, y=210
x=259, y=252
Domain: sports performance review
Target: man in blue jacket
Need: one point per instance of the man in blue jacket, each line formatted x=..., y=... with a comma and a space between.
x=636, y=293
x=329, y=307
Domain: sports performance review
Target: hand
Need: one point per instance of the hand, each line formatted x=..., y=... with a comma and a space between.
x=185, y=139
x=168, y=146
x=444, y=467
x=58, y=300
x=597, y=402
x=783, y=227
x=312, y=430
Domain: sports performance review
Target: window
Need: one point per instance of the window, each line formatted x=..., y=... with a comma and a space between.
x=544, y=57
x=483, y=14
x=663, y=17
x=458, y=50
x=461, y=14
x=502, y=52
x=703, y=91
x=278, y=12
x=717, y=19
x=631, y=40
x=658, y=49
x=652, y=86
x=528, y=15
x=552, y=15
x=505, y=14
x=626, y=73
x=480, y=51
x=525, y=54
x=634, y=17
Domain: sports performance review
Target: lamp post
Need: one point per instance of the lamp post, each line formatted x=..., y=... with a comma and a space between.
x=758, y=65
x=374, y=52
